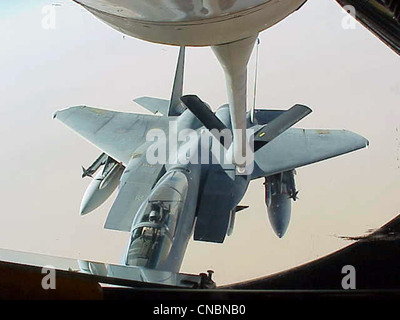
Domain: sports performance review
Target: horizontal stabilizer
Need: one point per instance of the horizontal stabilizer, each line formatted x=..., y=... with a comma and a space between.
x=279, y=125
x=155, y=105
x=264, y=116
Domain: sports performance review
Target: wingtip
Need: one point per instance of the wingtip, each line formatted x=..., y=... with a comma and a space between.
x=362, y=141
x=309, y=110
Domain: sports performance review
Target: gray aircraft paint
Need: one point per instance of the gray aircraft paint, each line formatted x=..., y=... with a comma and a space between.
x=213, y=190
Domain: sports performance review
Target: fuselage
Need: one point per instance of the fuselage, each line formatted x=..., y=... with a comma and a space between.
x=163, y=225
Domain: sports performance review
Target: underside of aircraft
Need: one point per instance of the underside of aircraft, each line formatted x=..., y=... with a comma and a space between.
x=162, y=204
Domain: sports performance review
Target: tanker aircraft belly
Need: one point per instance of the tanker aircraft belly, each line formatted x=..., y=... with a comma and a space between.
x=229, y=27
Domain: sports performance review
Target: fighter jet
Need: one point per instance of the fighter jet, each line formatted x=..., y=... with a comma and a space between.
x=163, y=204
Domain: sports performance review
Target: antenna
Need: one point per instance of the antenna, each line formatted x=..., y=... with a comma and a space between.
x=252, y=115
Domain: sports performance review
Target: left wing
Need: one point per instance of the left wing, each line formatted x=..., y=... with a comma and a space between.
x=118, y=134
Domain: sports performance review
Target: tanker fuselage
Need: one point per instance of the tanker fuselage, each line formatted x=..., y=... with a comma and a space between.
x=191, y=23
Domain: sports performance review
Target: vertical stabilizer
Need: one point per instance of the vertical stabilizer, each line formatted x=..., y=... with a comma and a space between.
x=175, y=105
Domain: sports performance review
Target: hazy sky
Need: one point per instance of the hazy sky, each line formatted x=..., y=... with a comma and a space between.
x=348, y=78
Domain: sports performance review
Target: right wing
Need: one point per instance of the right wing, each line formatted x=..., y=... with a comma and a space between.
x=118, y=134
x=299, y=147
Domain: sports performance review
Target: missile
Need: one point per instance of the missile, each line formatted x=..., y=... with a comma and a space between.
x=101, y=160
x=100, y=189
